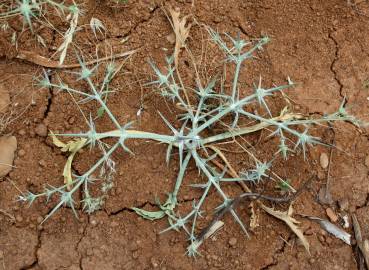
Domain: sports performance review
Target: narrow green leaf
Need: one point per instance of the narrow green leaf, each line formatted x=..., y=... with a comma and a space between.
x=100, y=112
x=151, y=215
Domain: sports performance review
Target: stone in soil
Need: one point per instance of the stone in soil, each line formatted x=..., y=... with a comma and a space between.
x=41, y=130
x=8, y=145
x=331, y=214
x=325, y=197
x=232, y=242
x=324, y=162
x=343, y=204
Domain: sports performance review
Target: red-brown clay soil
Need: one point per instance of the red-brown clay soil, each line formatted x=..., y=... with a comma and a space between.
x=322, y=45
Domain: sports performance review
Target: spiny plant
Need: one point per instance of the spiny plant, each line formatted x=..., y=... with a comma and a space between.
x=29, y=10
x=37, y=10
x=206, y=108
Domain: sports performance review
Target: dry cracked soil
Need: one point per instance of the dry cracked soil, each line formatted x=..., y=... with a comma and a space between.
x=322, y=45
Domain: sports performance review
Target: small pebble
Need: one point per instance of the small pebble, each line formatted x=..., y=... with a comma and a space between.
x=93, y=222
x=21, y=153
x=367, y=161
x=232, y=242
x=41, y=130
x=40, y=219
x=324, y=160
x=343, y=204
x=22, y=132
x=42, y=163
x=71, y=120
x=19, y=218
x=331, y=214
x=171, y=38
x=325, y=197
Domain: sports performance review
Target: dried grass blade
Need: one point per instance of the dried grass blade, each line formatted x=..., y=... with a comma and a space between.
x=68, y=37
x=181, y=32
x=290, y=221
x=47, y=63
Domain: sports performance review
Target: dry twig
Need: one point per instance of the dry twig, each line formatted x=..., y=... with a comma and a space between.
x=363, y=244
x=47, y=63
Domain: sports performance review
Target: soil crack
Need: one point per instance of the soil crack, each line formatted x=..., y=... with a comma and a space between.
x=138, y=24
x=38, y=246
x=143, y=205
x=129, y=209
x=333, y=64
x=79, y=242
x=50, y=96
x=278, y=251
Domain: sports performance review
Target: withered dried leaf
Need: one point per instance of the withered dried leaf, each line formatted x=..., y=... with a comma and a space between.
x=181, y=30
x=254, y=218
x=73, y=147
x=290, y=221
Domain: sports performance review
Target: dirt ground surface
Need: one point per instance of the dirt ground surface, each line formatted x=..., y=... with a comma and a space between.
x=322, y=45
